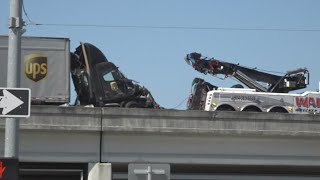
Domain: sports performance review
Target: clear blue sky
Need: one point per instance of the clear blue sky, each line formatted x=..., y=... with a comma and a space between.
x=155, y=57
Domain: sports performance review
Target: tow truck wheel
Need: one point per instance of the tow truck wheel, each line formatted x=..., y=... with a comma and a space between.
x=279, y=110
x=225, y=108
x=132, y=104
x=252, y=109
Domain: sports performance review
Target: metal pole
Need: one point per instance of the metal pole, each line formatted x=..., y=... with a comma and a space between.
x=149, y=173
x=13, y=79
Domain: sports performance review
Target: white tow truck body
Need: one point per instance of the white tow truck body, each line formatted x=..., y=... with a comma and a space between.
x=238, y=99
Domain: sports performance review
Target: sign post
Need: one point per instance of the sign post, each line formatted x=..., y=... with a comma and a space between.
x=13, y=79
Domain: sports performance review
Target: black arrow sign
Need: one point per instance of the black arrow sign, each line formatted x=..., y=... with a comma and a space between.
x=14, y=102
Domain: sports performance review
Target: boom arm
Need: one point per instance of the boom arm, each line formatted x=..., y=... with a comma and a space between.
x=252, y=78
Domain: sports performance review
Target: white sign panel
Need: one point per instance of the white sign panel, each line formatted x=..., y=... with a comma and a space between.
x=148, y=171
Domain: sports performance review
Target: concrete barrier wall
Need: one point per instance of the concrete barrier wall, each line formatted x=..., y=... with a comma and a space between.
x=168, y=121
x=80, y=134
x=199, y=122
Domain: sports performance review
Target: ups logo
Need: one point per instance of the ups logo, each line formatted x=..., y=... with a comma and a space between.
x=36, y=66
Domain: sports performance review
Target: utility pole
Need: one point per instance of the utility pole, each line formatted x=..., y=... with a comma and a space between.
x=13, y=75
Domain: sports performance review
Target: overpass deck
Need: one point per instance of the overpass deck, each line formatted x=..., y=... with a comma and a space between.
x=169, y=121
x=121, y=136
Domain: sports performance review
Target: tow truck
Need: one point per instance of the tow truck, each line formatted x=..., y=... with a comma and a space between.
x=266, y=92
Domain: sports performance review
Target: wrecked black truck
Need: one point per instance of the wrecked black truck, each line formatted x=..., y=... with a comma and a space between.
x=100, y=82
x=47, y=64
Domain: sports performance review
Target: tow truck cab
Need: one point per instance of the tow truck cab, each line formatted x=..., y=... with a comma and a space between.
x=198, y=96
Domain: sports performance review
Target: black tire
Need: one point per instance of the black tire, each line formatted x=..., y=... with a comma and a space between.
x=122, y=104
x=278, y=110
x=225, y=108
x=252, y=109
x=132, y=104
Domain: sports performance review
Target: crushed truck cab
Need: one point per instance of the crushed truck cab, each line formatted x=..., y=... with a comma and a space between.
x=100, y=82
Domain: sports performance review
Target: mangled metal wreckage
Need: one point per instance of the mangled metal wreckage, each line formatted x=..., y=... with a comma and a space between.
x=99, y=82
